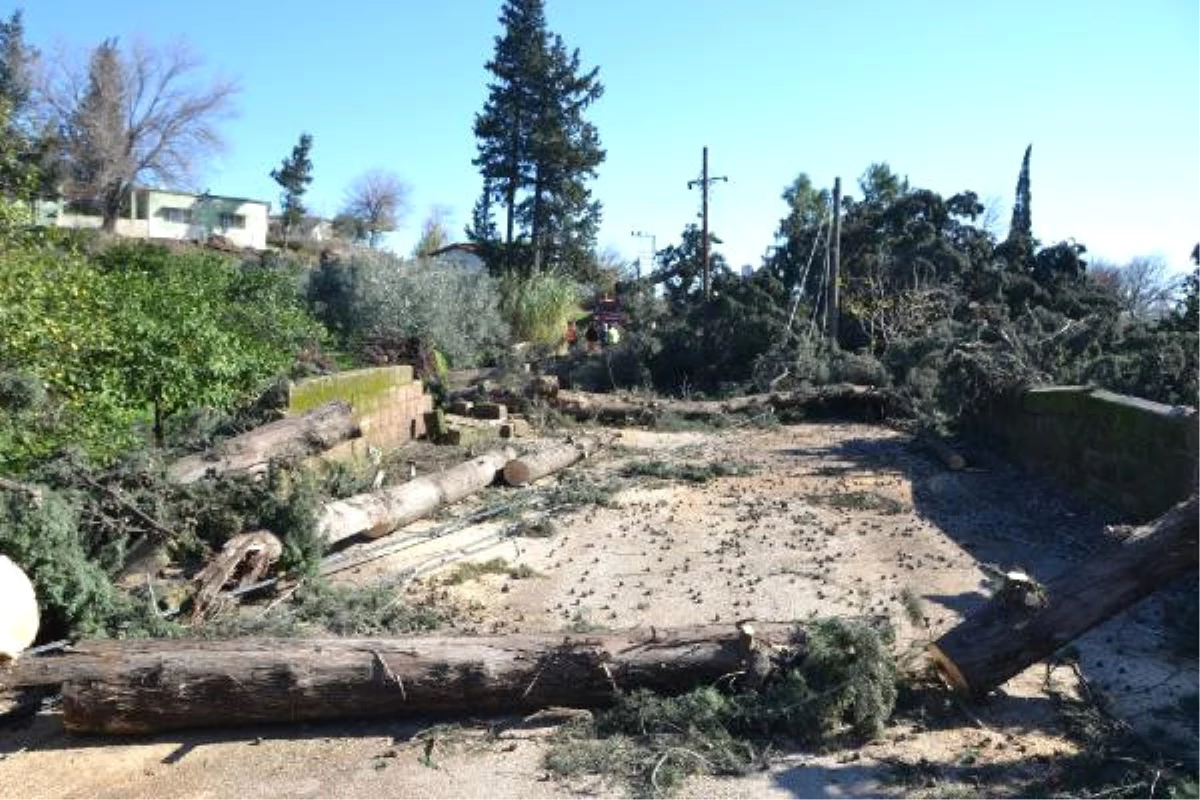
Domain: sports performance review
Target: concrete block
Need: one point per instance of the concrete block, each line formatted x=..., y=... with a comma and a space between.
x=489, y=411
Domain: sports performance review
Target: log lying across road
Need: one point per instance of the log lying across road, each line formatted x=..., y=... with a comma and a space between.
x=1025, y=622
x=292, y=438
x=531, y=467
x=378, y=513
x=122, y=687
x=843, y=400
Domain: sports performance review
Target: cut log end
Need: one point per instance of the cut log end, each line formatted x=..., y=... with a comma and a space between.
x=948, y=670
x=18, y=611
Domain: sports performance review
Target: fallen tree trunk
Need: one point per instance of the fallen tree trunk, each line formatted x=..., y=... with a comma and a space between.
x=381, y=512
x=934, y=444
x=531, y=467
x=245, y=557
x=123, y=687
x=842, y=400
x=293, y=438
x=1025, y=622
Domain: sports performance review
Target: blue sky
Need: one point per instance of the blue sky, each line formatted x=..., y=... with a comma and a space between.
x=948, y=93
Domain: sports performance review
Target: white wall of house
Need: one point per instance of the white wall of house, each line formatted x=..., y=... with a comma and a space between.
x=176, y=215
x=158, y=214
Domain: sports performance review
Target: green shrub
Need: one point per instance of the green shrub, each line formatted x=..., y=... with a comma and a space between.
x=537, y=308
x=409, y=307
x=75, y=594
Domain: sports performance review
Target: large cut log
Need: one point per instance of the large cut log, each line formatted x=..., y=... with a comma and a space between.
x=1025, y=621
x=529, y=468
x=293, y=438
x=378, y=513
x=142, y=686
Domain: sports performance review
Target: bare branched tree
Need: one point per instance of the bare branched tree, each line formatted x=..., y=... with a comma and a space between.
x=377, y=201
x=1145, y=286
x=140, y=115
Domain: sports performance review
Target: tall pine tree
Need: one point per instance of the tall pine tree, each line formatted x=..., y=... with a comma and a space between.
x=536, y=149
x=1019, y=245
x=293, y=176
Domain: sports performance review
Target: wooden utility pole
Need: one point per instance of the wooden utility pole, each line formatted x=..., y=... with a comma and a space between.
x=704, y=183
x=704, y=233
x=835, y=263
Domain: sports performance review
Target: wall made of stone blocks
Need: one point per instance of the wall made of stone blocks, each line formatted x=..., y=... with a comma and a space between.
x=1132, y=455
x=388, y=404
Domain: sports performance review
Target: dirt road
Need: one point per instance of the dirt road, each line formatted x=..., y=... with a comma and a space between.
x=833, y=519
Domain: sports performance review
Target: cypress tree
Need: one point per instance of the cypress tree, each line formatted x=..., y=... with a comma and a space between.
x=1020, y=232
x=294, y=175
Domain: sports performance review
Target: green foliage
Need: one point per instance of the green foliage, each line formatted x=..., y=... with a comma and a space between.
x=43, y=538
x=575, y=489
x=537, y=151
x=842, y=689
x=473, y=570
x=197, y=330
x=138, y=333
x=1020, y=241
x=405, y=308
x=293, y=176
x=320, y=608
x=690, y=472
x=538, y=307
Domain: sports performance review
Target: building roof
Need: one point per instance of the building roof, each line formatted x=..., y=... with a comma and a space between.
x=181, y=193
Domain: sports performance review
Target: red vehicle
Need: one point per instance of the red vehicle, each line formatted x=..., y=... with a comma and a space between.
x=607, y=309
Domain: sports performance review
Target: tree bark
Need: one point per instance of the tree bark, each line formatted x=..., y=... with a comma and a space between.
x=379, y=513
x=1025, y=622
x=529, y=468
x=123, y=687
x=246, y=558
x=936, y=446
x=287, y=439
x=843, y=400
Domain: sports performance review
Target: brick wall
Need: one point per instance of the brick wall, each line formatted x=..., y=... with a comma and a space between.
x=1132, y=455
x=388, y=404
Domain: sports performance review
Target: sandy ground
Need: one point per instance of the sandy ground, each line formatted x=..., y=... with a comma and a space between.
x=834, y=519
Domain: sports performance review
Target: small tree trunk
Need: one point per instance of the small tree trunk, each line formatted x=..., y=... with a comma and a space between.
x=529, y=468
x=123, y=687
x=160, y=432
x=1025, y=622
x=382, y=512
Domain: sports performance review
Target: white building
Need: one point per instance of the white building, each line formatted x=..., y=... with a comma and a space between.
x=162, y=214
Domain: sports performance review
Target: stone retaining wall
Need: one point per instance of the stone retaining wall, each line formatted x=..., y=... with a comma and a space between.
x=1135, y=456
x=389, y=405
